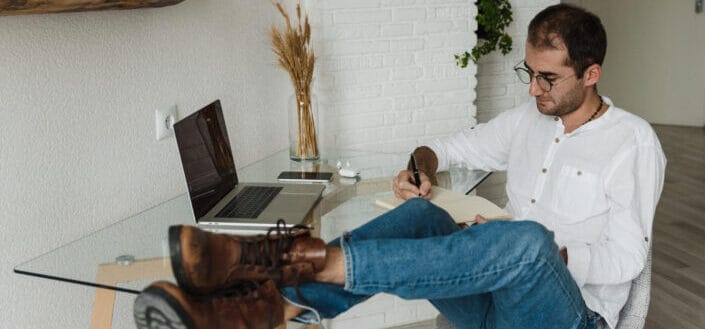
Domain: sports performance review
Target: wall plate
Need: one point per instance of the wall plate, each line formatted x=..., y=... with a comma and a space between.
x=164, y=120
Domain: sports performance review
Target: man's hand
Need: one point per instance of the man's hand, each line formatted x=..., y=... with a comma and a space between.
x=405, y=187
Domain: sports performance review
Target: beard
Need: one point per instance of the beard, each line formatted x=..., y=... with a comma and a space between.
x=558, y=106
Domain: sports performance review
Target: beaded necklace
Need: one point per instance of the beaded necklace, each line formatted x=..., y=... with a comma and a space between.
x=599, y=107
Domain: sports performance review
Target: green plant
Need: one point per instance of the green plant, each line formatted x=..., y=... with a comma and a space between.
x=493, y=16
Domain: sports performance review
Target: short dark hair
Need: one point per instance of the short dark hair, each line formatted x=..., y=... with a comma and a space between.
x=580, y=31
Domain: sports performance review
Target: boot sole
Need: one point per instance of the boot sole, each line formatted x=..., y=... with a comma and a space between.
x=177, y=267
x=155, y=308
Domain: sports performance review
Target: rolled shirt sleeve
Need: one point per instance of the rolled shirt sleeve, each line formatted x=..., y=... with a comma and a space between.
x=485, y=146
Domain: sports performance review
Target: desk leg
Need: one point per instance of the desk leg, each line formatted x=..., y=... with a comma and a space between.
x=103, y=305
x=111, y=274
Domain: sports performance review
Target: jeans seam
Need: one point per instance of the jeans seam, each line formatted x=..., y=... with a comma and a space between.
x=447, y=281
x=539, y=260
x=348, y=255
x=565, y=289
x=303, y=319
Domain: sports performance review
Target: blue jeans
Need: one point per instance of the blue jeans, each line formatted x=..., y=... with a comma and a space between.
x=503, y=274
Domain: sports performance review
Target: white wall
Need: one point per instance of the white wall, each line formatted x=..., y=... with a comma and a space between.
x=77, y=147
x=387, y=79
x=654, y=64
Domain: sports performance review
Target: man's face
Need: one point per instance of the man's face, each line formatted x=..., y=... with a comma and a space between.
x=567, y=92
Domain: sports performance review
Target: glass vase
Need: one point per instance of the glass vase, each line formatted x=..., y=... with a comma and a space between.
x=303, y=126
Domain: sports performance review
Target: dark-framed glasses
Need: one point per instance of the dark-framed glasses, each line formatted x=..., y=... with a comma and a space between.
x=525, y=75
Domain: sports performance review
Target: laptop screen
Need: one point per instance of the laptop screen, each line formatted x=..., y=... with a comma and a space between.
x=206, y=157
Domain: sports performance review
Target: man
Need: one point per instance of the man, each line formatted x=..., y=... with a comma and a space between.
x=585, y=174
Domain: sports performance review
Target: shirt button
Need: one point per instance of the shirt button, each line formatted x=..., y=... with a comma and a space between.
x=533, y=200
x=555, y=118
x=544, y=170
x=580, y=173
x=557, y=140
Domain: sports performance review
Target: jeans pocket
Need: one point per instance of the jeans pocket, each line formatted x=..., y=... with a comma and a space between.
x=593, y=319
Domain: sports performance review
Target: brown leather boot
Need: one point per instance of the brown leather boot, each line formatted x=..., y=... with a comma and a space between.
x=164, y=305
x=205, y=262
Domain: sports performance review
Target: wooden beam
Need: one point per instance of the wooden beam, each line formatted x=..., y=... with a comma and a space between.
x=28, y=7
x=111, y=274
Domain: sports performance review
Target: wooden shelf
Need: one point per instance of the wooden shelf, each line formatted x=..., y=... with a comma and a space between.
x=28, y=7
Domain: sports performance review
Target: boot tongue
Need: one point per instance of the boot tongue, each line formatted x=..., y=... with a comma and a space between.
x=275, y=248
x=309, y=250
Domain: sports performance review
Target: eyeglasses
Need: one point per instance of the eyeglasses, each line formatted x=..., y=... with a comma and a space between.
x=525, y=75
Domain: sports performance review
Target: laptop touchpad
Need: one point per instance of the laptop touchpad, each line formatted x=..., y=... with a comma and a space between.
x=290, y=206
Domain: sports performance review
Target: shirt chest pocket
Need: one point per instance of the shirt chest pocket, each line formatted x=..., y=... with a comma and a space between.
x=577, y=194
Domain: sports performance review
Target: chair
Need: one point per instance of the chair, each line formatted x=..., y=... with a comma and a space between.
x=632, y=315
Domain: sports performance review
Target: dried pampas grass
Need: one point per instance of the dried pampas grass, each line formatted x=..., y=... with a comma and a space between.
x=292, y=46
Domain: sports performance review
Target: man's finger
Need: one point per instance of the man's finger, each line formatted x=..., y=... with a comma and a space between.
x=425, y=189
x=480, y=220
x=403, y=186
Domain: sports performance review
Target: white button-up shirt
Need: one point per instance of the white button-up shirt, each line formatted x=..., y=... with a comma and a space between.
x=596, y=188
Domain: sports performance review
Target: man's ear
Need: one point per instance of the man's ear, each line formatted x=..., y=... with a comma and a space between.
x=592, y=75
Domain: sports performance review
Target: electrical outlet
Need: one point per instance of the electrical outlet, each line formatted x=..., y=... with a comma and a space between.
x=164, y=120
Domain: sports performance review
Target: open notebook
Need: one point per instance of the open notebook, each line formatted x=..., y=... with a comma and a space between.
x=461, y=207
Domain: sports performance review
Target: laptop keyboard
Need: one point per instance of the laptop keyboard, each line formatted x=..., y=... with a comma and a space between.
x=250, y=202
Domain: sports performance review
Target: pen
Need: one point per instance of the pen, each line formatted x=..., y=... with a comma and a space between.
x=417, y=179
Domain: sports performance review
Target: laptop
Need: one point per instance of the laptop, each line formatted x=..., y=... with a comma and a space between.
x=219, y=201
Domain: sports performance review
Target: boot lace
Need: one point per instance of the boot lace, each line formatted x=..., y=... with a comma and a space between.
x=267, y=250
x=262, y=254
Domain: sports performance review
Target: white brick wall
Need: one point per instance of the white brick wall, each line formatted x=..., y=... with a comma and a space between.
x=386, y=79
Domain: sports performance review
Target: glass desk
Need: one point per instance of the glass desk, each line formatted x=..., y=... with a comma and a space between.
x=123, y=256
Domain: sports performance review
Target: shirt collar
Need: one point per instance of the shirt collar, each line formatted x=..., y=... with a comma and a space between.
x=596, y=123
